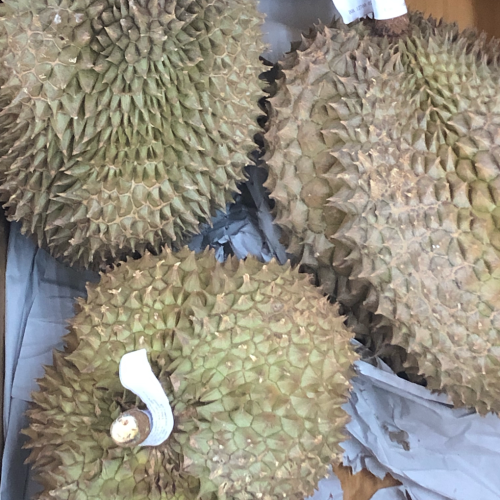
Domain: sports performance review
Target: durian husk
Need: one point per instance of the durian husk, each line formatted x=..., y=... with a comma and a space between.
x=124, y=127
x=6, y=120
x=256, y=365
x=383, y=163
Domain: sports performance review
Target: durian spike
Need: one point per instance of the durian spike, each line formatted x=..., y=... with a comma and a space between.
x=131, y=428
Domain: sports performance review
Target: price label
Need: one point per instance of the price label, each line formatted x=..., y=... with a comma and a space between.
x=350, y=10
x=389, y=9
x=136, y=375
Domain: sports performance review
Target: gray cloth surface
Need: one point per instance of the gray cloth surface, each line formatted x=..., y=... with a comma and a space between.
x=40, y=295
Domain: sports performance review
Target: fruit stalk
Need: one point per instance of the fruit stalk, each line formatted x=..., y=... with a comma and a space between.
x=391, y=27
x=131, y=428
x=395, y=27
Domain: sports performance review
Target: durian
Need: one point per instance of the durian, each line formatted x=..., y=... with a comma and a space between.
x=129, y=121
x=5, y=121
x=383, y=160
x=256, y=365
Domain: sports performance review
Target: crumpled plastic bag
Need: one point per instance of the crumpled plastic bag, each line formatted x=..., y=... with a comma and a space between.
x=437, y=452
x=246, y=228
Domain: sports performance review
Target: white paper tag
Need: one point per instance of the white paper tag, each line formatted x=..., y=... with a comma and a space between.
x=137, y=376
x=388, y=9
x=350, y=10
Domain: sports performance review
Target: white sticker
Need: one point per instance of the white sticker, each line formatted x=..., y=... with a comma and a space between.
x=137, y=376
x=350, y=10
x=389, y=9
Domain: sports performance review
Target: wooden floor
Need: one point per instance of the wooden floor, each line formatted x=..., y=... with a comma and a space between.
x=488, y=16
x=481, y=14
x=361, y=486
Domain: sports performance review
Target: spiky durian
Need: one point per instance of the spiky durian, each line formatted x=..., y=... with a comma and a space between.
x=132, y=120
x=256, y=365
x=384, y=163
x=5, y=121
x=3, y=43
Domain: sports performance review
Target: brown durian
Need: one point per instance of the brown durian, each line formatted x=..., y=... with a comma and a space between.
x=128, y=122
x=383, y=159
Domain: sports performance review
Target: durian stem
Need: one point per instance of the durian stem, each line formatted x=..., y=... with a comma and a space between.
x=391, y=28
x=131, y=428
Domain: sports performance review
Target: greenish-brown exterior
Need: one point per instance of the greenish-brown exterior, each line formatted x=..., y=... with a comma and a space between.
x=384, y=161
x=256, y=365
x=125, y=123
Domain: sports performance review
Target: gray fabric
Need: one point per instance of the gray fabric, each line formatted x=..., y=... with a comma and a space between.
x=19, y=299
x=40, y=296
x=15, y=474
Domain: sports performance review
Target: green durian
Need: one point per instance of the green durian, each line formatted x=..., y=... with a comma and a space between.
x=130, y=121
x=6, y=121
x=3, y=43
x=383, y=160
x=256, y=364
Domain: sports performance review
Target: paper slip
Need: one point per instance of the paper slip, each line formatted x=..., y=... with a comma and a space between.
x=350, y=10
x=137, y=376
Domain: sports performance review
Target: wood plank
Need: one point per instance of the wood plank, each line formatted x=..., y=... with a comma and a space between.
x=458, y=11
x=488, y=16
x=483, y=15
x=361, y=486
